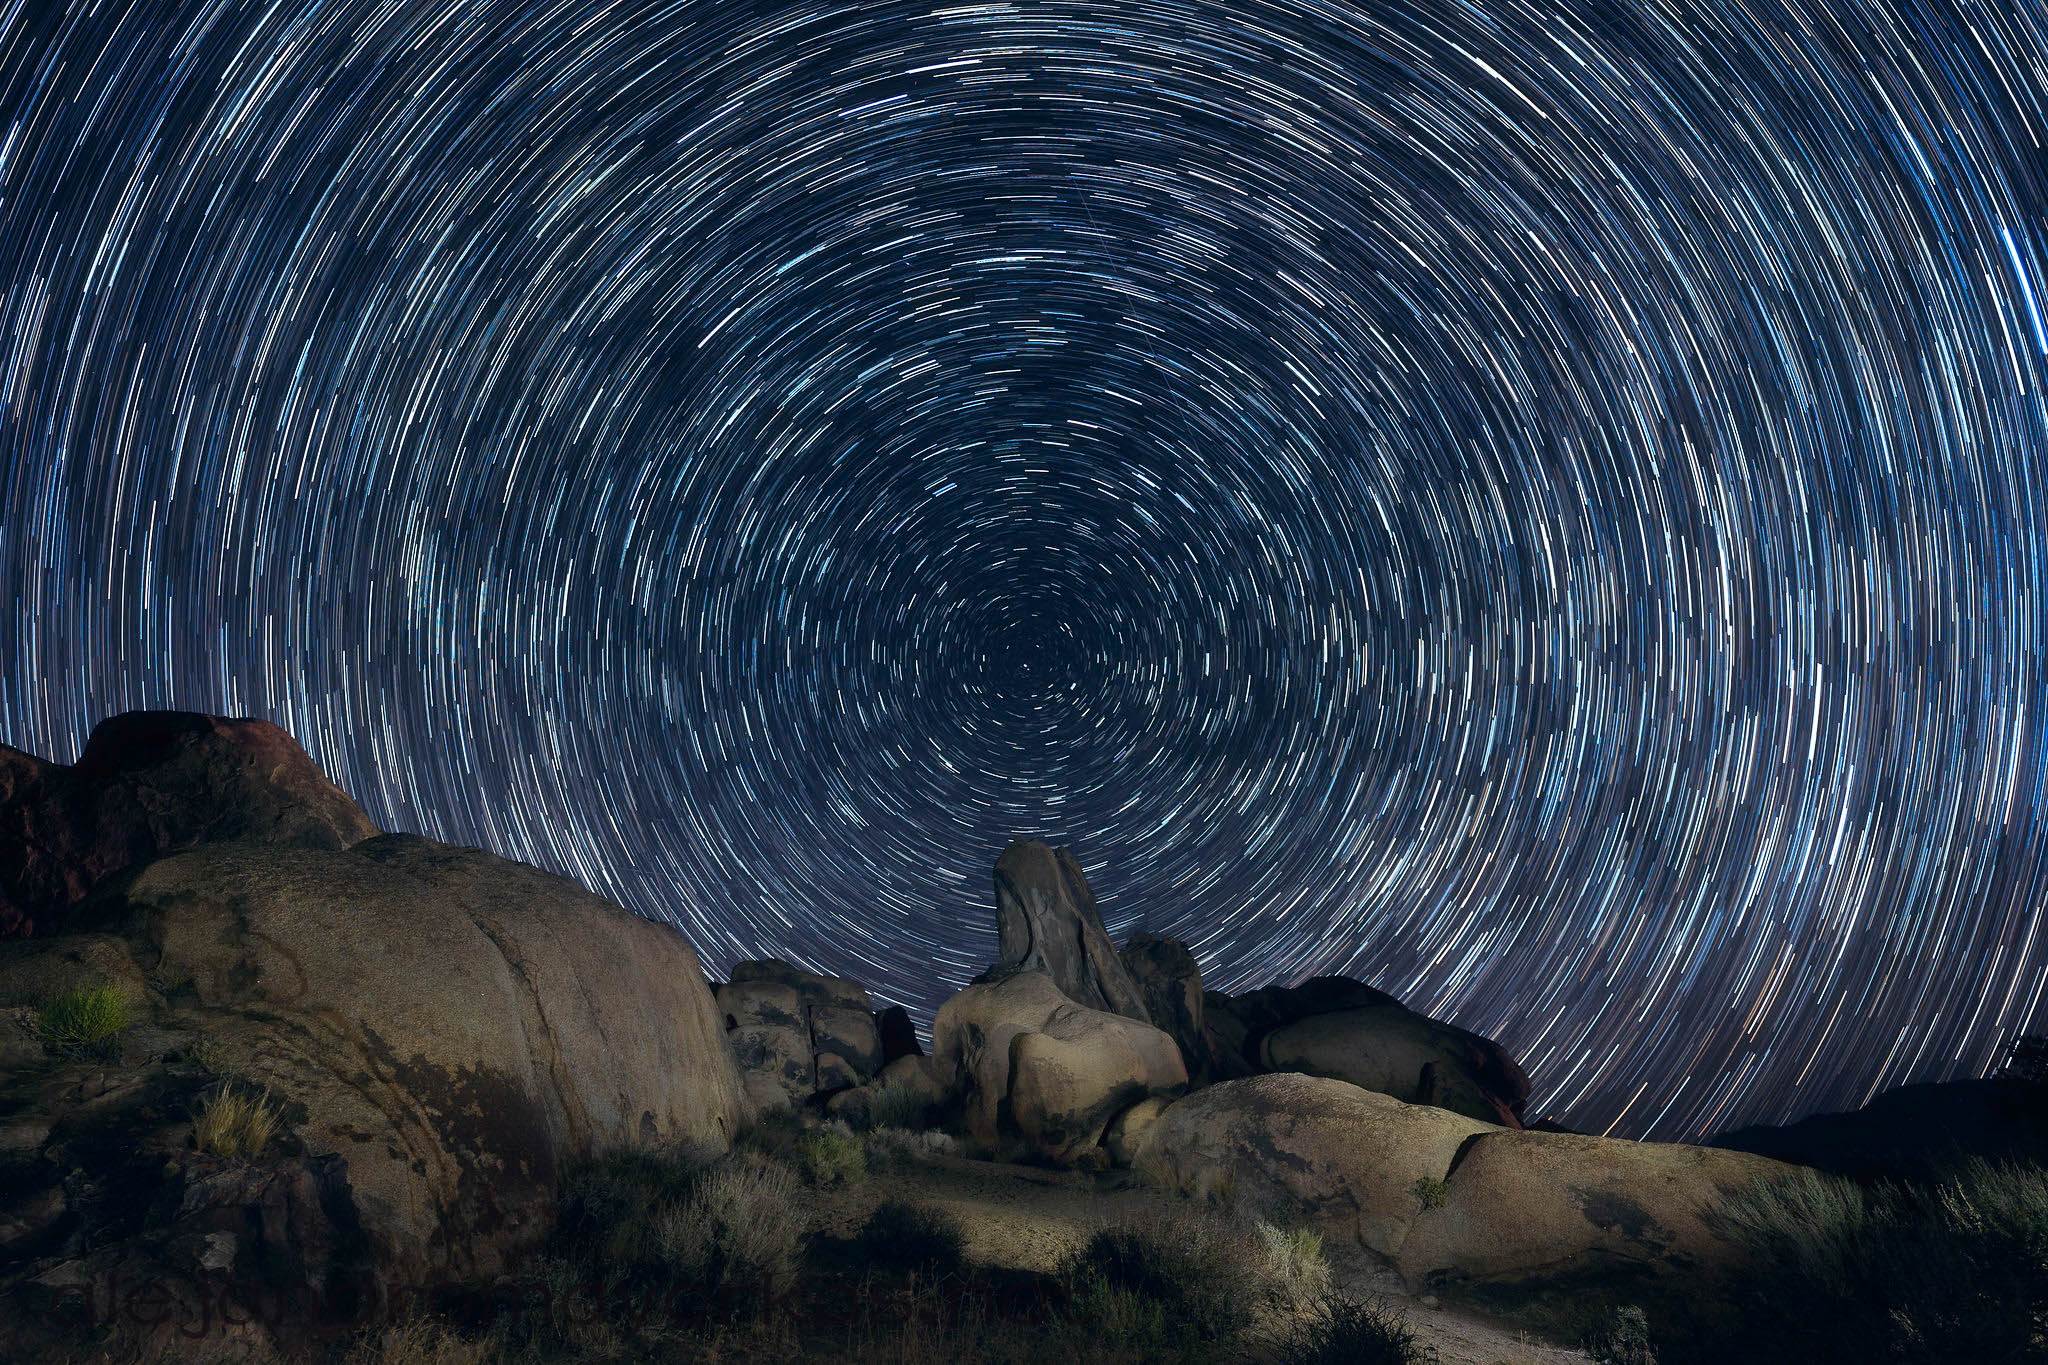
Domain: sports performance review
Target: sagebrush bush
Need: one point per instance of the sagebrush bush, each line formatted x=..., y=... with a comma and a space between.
x=895, y=1106
x=235, y=1125
x=88, y=1019
x=1342, y=1331
x=1432, y=1193
x=905, y=1236
x=1204, y=1273
x=773, y=1133
x=1295, y=1271
x=1621, y=1338
x=831, y=1155
x=741, y=1231
x=1952, y=1271
x=666, y=1225
x=420, y=1340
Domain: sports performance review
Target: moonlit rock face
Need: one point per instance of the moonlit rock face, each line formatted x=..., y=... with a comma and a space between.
x=1046, y=921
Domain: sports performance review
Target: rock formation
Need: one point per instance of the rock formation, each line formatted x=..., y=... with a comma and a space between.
x=440, y=1030
x=1443, y=1198
x=1346, y=1030
x=1046, y=921
x=149, y=783
x=797, y=1035
x=1170, y=983
x=1027, y=1061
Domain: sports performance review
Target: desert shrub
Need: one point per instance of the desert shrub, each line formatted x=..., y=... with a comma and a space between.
x=895, y=1106
x=1295, y=1271
x=1432, y=1193
x=1956, y=1270
x=831, y=1156
x=1203, y=1274
x=1342, y=1331
x=86, y=1020
x=235, y=1125
x=740, y=1232
x=774, y=1133
x=208, y=1056
x=1621, y=1338
x=667, y=1230
x=420, y=1340
x=904, y=1236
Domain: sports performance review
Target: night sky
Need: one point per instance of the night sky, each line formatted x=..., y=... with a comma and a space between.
x=1540, y=507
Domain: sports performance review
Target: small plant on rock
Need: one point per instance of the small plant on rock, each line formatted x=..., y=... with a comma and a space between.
x=234, y=1125
x=1432, y=1193
x=86, y=1021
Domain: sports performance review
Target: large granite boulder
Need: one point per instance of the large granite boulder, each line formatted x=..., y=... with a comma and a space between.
x=1170, y=983
x=1046, y=921
x=1406, y=1055
x=783, y=1020
x=1237, y=1024
x=1346, y=1030
x=149, y=783
x=449, y=1025
x=1559, y=1209
x=1028, y=1063
x=1351, y=1162
x=1451, y=1202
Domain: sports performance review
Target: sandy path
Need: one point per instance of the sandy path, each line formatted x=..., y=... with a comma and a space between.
x=1029, y=1219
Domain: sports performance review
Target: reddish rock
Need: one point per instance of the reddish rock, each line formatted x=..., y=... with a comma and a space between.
x=151, y=783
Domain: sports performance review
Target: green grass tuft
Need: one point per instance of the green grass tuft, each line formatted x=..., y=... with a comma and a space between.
x=88, y=1019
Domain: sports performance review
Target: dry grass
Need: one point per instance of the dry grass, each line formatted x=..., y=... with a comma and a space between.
x=235, y=1125
x=421, y=1341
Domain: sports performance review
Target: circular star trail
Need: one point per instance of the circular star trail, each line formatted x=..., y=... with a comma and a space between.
x=1540, y=507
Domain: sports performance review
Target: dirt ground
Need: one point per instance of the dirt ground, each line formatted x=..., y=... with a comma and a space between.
x=1027, y=1218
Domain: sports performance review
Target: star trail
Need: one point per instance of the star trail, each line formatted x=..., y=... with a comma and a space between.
x=1539, y=507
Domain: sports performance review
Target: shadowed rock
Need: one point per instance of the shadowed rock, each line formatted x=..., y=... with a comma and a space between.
x=1346, y=1030
x=1170, y=982
x=899, y=1034
x=783, y=1021
x=150, y=783
x=1046, y=921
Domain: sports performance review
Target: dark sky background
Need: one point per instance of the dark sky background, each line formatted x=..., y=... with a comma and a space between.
x=1540, y=507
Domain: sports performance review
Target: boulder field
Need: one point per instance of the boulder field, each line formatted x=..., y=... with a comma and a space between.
x=440, y=1031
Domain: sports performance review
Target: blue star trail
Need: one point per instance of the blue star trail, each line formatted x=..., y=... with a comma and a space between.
x=1541, y=507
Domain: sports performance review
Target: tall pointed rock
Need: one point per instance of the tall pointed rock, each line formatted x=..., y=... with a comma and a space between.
x=1046, y=921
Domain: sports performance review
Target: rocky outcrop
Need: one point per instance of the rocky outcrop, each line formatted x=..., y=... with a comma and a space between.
x=1169, y=981
x=1348, y=1161
x=1346, y=1030
x=798, y=1035
x=149, y=783
x=1916, y=1132
x=899, y=1034
x=1406, y=1055
x=1448, y=1200
x=1537, y=1209
x=447, y=1026
x=1028, y=1063
x=1046, y=921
